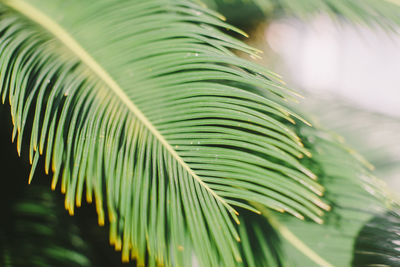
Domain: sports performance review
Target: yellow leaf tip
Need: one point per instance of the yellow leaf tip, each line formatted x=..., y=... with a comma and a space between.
x=118, y=245
x=125, y=257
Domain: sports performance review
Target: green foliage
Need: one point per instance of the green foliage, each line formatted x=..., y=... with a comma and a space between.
x=378, y=242
x=380, y=146
x=355, y=196
x=147, y=109
x=143, y=107
x=372, y=12
x=38, y=233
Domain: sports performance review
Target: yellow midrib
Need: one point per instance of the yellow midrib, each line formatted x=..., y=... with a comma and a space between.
x=292, y=238
x=50, y=25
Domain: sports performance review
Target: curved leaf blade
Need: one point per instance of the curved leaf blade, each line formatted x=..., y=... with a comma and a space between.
x=355, y=196
x=154, y=134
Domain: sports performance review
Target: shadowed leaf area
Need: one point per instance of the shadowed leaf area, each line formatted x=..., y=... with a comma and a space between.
x=378, y=243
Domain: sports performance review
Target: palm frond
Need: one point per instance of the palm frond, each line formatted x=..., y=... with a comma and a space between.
x=361, y=230
x=34, y=232
x=261, y=244
x=378, y=242
x=379, y=146
x=143, y=105
x=363, y=210
x=371, y=12
x=356, y=198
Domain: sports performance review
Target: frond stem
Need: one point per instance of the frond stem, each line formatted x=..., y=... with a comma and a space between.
x=292, y=238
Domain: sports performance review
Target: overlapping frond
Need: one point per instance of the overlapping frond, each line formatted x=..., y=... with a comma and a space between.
x=372, y=12
x=356, y=198
x=378, y=243
x=142, y=105
x=361, y=230
x=380, y=146
x=35, y=232
x=261, y=244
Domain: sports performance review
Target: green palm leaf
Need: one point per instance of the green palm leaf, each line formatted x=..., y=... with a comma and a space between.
x=356, y=198
x=378, y=242
x=38, y=233
x=361, y=229
x=371, y=12
x=379, y=147
x=143, y=105
x=261, y=244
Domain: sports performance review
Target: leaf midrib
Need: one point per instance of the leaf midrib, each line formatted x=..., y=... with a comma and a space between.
x=292, y=238
x=55, y=29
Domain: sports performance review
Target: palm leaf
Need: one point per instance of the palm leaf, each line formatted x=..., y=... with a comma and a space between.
x=356, y=198
x=371, y=12
x=361, y=229
x=261, y=244
x=380, y=147
x=378, y=242
x=143, y=105
x=38, y=233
